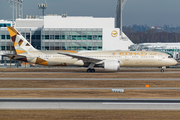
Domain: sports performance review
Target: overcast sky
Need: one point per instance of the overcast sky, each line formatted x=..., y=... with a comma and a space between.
x=141, y=12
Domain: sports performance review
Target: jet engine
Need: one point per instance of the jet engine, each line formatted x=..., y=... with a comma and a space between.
x=112, y=65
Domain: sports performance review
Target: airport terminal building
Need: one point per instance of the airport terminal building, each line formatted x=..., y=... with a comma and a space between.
x=172, y=49
x=55, y=32
x=68, y=33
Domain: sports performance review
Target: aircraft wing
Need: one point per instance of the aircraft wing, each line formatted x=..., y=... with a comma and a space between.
x=83, y=58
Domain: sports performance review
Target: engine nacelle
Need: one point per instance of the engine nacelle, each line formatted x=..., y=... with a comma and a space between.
x=112, y=65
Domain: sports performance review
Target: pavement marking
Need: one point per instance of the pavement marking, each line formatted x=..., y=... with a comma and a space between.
x=89, y=104
x=86, y=106
x=141, y=103
x=105, y=72
x=144, y=79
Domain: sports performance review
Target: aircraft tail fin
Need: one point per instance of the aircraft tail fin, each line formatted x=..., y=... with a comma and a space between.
x=21, y=45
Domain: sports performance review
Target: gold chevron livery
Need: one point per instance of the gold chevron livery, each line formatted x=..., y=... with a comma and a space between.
x=109, y=60
x=20, y=43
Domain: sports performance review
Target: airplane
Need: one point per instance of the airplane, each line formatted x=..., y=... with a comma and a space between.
x=109, y=60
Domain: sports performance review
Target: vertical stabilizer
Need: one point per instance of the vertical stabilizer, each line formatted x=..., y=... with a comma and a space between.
x=21, y=45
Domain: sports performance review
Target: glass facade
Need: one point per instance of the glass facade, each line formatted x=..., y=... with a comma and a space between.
x=5, y=41
x=5, y=24
x=33, y=36
x=56, y=39
x=173, y=50
x=71, y=39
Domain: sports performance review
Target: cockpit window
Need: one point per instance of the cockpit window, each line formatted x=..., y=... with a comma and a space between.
x=169, y=57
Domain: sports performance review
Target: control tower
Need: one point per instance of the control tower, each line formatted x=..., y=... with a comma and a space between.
x=120, y=5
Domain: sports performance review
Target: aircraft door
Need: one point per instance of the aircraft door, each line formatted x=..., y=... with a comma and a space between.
x=42, y=56
x=160, y=57
x=127, y=57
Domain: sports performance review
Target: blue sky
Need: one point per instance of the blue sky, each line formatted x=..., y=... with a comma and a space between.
x=150, y=12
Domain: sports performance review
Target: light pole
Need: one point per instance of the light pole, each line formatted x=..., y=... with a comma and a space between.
x=16, y=6
x=12, y=2
x=19, y=4
x=22, y=9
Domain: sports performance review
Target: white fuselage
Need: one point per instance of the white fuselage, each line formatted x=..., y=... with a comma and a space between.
x=126, y=58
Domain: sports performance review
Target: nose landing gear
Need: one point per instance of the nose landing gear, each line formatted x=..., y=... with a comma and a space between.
x=162, y=70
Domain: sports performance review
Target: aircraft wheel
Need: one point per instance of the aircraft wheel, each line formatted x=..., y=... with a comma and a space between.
x=93, y=70
x=162, y=70
x=90, y=70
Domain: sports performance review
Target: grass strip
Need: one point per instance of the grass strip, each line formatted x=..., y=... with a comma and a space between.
x=89, y=75
x=88, y=115
x=89, y=94
x=86, y=83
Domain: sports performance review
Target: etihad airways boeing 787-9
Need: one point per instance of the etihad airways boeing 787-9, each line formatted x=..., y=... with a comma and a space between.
x=109, y=60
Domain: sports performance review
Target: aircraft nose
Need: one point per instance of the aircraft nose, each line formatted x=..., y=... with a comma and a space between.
x=174, y=62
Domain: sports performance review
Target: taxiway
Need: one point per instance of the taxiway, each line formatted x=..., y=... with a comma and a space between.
x=90, y=104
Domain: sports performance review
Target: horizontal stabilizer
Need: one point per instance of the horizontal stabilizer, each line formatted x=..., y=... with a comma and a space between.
x=17, y=57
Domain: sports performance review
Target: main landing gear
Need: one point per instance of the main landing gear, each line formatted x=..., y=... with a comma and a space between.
x=91, y=70
x=162, y=70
